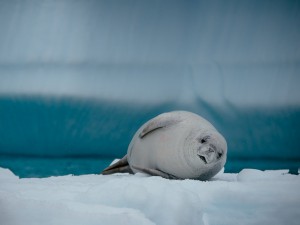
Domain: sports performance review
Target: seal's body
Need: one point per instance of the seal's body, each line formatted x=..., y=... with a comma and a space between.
x=178, y=145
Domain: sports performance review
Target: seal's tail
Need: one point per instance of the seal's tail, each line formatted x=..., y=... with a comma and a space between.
x=121, y=166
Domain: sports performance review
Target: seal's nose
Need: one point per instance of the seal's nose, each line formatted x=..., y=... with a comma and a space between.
x=206, y=153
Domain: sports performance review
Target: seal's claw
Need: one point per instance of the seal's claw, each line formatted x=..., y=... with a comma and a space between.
x=121, y=166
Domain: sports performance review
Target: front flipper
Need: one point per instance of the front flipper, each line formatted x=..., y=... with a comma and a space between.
x=158, y=122
x=155, y=172
x=121, y=166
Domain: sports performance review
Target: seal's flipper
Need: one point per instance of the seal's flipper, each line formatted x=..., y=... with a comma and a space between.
x=121, y=166
x=157, y=123
x=155, y=172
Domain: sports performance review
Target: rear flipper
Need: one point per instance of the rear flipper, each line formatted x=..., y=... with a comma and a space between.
x=121, y=166
x=155, y=172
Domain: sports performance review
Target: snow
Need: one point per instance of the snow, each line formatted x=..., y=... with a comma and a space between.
x=249, y=197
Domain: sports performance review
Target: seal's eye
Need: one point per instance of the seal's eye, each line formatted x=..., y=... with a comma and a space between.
x=204, y=140
x=219, y=155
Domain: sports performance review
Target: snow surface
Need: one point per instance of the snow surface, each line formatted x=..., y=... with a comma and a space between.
x=249, y=197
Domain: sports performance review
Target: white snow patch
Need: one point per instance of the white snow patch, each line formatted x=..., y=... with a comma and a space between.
x=6, y=174
x=114, y=161
x=250, y=197
x=257, y=175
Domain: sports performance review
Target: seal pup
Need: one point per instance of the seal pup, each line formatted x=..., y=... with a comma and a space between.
x=174, y=145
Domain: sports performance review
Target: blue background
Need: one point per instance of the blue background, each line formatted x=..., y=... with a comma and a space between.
x=78, y=78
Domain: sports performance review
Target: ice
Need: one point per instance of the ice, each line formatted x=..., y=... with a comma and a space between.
x=6, y=174
x=257, y=175
x=250, y=197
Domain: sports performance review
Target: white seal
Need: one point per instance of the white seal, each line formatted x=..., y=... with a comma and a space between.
x=175, y=145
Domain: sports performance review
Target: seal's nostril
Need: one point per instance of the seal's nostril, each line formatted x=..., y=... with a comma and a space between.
x=213, y=147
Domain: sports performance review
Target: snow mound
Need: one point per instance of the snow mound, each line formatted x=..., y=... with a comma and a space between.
x=6, y=174
x=250, y=197
x=257, y=175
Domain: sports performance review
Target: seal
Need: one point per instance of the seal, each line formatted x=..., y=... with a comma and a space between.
x=174, y=145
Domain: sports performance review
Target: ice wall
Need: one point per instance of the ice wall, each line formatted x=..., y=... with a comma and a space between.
x=79, y=77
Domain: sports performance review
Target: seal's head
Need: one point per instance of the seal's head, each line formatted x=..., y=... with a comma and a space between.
x=207, y=153
x=212, y=147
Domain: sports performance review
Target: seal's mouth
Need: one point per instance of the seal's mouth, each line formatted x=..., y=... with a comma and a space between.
x=203, y=158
